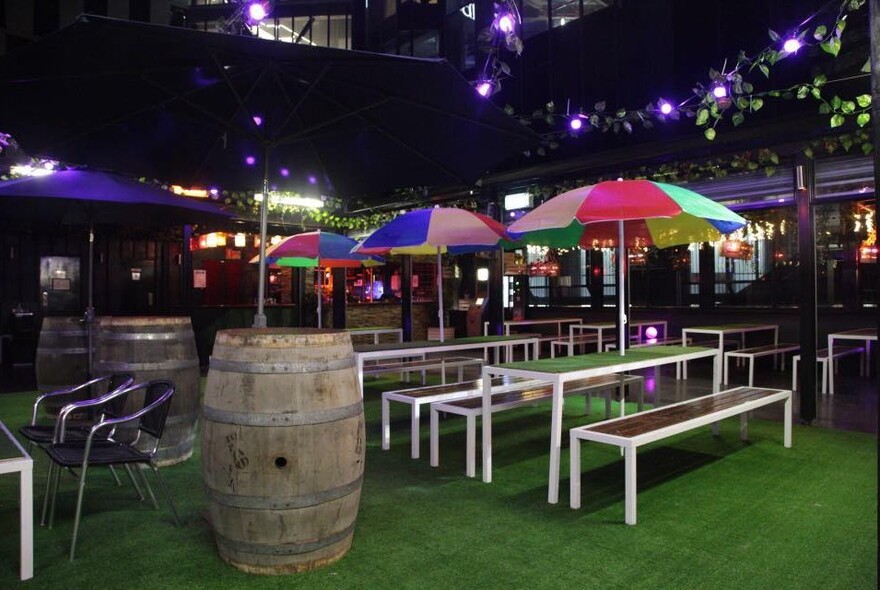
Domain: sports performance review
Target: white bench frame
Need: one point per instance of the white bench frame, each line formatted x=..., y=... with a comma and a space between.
x=629, y=444
x=750, y=354
x=571, y=342
x=470, y=414
x=424, y=364
x=822, y=359
x=415, y=402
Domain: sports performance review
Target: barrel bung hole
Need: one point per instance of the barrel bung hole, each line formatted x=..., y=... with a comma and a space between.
x=280, y=462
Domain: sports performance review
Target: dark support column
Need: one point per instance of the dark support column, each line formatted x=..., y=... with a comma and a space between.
x=496, y=277
x=338, y=298
x=186, y=270
x=874, y=13
x=707, y=277
x=805, y=185
x=406, y=319
x=596, y=280
x=299, y=283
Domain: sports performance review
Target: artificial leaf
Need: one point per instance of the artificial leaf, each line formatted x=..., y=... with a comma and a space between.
x=820, y=80
x=864, y=100
x=747, y=88
x=808, y=152
x=831, y=46
x=774, y=157
x=709, y=133
x=550, y=107
x=770, y=170
x=816, y=92
x=508, y=109
x=774, y=36
x=863, y=119
x=621, y=113
x=866, y=68
x=764, y=70
x=820, y=32
x=627, y=126
x=737, y=119
x=802, y=91
x=549, y=119
x=599, y=106
x=540, y=151
x=594, y=120
x=757, y=103
x=742, y=103
x=846, y=142
x=836, y=121
x=847, y=107
x=867, y=148
x=836, y=102
x=702, y=116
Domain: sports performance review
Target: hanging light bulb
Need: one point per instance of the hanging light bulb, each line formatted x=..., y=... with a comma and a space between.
x=791, y=45
x=665, y=107
x=485, y=88
x=576, y=123
x=719, y=90
x=257, y=11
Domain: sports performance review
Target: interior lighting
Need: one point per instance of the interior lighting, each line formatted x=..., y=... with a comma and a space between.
x=719, y=91
x=485, y=88
x=240, y=240
x=576, y=123
x=257, y=11
x=292, y=200
x=250, y=160
x=651, y=332
x=665, y=107
x=791, y=45
x=505, y=22
x=482, y=274
x=28, y=170
x=198, y=193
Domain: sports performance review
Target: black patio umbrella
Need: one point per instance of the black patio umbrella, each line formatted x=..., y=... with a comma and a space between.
x=82, y=197
x=240, y=112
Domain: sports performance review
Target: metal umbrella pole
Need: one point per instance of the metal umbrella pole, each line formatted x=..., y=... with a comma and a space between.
x=89, y=315
x=260, y=317
x=440, y=292
x=621, y=297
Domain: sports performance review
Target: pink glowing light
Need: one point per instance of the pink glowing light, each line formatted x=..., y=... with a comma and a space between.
x=576, y=123
x=256, y=11
x=651, y=332
x=506, y=23
x=250, y=160
x=791, y=45
x=484, y=88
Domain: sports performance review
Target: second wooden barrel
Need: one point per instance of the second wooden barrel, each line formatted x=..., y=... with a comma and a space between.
x=156, y=348
x=282, y=447
x=62, y=353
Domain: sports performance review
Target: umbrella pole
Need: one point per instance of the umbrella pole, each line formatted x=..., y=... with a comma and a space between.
x=320, y=294
x=89, y=316
x=621, y=263
x=260, y=317
x=440, y=292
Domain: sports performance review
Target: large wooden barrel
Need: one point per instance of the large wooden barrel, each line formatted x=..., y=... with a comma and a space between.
x=62, y=353
x=156, y=348
x=282, y=447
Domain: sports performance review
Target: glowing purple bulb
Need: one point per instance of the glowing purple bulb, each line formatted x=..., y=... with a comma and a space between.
x=791, y=45
x=651, y=332
x=258, y=120
x=575, y=123
x=665, y=108
x=313, y=179
x=484, y=88
x=256, y=11
x=506, y=23
x=284, y=172
x=719, y=91
x=250, y=160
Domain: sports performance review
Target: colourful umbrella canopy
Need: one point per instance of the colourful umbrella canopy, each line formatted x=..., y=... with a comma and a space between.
x=652, y=213
x=318, y=248
x=435, y=231
x=429, y=231
x=628, y=212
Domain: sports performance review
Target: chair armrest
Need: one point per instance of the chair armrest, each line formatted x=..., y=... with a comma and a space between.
x=62, y=392
x=61, y=423
x=114, y=422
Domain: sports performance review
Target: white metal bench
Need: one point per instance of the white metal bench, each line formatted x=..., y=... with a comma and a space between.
x=424, y=364
x=750, y=354
x=570, y=343
x=472, y=407
x=823, y=360
x=631, y=432
x=417, y=396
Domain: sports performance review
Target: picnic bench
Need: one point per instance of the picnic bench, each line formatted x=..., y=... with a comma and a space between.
x=418, y=396
x=528, y=393
x=571, y=342
x=823, y=359
x=633, y=431
x=750, y=354
x=405, y=367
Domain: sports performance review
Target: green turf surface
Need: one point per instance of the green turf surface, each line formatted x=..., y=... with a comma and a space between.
x=713, y=513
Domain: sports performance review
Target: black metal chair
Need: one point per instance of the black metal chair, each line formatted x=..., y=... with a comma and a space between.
x=41, y=430
x=96, y=449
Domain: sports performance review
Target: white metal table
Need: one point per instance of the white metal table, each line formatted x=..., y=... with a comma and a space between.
x=398, y=350
x=508, y=324
x=602, y=327
x=14, y=458
x=375, y=332
x=559, y=371
x=724, y=330
x=866, y=335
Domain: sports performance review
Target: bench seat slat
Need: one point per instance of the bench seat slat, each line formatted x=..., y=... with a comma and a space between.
x=540, y=392
x=766, y=349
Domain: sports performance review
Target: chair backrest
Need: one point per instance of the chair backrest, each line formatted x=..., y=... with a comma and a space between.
x=115, y=406
x=157, y=402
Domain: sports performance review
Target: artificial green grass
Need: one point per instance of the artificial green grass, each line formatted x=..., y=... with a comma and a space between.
x=713, y=513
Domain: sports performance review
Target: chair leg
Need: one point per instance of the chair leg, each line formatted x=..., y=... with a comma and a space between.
x=79, y=498
x=49, y=475
x=147, y=486
x=167, y=492
x=115, y=475
x=54, y=495
x=134, y=482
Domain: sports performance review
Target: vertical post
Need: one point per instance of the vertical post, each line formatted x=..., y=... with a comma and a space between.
x=805, y=185
x=496, y=277
x=622, y=263
x=260, y=317
x=596, y=280
x=874, y=17
x=299, y=283
x=707, y=277
x=406, y=316
x=339, y=298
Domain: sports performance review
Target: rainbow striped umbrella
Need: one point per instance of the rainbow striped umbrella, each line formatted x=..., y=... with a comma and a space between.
x=435, y=231
x=628, y=213
x=318, y=249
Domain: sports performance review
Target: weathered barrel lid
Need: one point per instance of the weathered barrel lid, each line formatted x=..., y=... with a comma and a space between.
x=111, y=321
x=281, y=337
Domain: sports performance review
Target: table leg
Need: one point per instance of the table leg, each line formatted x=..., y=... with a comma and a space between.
x=360, y=369
x=630, y=483
x=831, y=356
x=487, y=427
x=555, y=442
x=786, y=436
x=435, y=437
x=744, y=426
x=415, y=442
x=574, y=485
x=386, y=424
x=26, y=492
x=471, y=458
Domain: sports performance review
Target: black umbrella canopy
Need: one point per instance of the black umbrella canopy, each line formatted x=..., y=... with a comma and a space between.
x=90, y=197
x=211, y=109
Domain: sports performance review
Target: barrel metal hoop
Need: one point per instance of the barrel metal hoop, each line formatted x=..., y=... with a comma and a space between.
x=283, y=418
x=188, y=418
x=63, y=351
x=284, y=502
x=63, y=332
x=286, y=548
x=175, y=335
x=315, y=366
x=160, y=366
